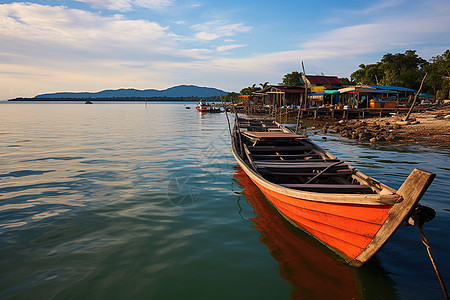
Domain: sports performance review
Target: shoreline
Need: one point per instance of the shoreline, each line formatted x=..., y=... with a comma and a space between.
x=100, y=100
x=430, y=127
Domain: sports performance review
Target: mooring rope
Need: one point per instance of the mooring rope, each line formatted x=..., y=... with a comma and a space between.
x=427, y=244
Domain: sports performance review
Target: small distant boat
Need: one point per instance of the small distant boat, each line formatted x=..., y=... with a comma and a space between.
x=188, y=107
x=203, y=106
x=349, y=212
x=88, y=102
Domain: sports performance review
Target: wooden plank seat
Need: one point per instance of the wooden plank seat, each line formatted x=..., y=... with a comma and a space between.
x=270, y=168
x=290, y=156
x=267, y=148
x=253, y=123
x=330, y=188
x=319, y=162
x=277, y=135
x=343, y=172
x=253, y=128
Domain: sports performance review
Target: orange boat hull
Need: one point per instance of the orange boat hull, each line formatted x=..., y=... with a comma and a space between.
x=347, y=228
x=306, y=265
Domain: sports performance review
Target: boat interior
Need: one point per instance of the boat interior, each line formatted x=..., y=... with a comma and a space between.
x=293, y=161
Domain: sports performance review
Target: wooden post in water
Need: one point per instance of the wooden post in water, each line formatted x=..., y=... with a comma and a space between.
x=298, y=117
x=236, y=124
x=306, y=88
x=415, y=97
x=226, y=114
x=300, y=112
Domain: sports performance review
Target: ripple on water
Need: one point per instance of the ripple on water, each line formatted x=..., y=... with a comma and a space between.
x=23, y=173
x=126, y=201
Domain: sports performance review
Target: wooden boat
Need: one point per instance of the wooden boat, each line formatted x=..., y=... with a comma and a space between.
x=204, y=106
x=349, y=212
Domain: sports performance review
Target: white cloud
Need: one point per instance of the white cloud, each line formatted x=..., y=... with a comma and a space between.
x=340, y=51
x=48, y=48
x=383, y=36
x=198, y=53
x=228, y=47
x=206, y=36
x=126, y=5
x=120, y=5
x=382, y=6
x=54, y=48
x=218, y=29
x=154, y=4
x=56, y=26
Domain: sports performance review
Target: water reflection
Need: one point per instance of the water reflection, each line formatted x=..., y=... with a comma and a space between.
x=313, y=271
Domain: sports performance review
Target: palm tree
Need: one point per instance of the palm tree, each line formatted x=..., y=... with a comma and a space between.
x=264, y=85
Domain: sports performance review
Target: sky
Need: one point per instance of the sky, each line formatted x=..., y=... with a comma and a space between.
x=93, y=45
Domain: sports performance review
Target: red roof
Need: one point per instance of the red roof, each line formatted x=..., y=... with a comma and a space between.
x=290, y=89
x=323, y=80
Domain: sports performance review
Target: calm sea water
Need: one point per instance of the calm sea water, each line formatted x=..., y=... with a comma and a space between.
x=135, y=201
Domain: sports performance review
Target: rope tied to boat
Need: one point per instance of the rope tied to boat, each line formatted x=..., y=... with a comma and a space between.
x=420, y=216
x=324, y=170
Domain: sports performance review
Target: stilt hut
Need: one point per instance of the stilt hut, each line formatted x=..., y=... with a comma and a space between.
x=324, y=90
x=280, y=96
x=370, y=96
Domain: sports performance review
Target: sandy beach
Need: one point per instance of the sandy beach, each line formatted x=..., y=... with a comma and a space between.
x=431, y=127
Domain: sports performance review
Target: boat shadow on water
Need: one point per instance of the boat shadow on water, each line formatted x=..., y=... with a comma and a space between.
x=313, y=270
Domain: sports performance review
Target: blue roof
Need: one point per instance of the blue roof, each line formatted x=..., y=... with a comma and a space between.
x=425, y=95
x=392, y=88
x=325, y=92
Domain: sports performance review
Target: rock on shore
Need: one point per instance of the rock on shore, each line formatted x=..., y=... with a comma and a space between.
x=366, y=130
x=431, y=127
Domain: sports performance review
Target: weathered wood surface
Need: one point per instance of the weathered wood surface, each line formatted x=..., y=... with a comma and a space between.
x=328, y=187
x=298, y=162
x=272, y=135
x=411, y=191
x=280, y=148
x=354, y=216
x=345, y=172
x=366, y=199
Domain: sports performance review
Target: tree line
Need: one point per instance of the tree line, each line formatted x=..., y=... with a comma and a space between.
x=400, y=69
x=407, y=70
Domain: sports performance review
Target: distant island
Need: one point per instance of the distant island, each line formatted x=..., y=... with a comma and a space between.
x=176, y=93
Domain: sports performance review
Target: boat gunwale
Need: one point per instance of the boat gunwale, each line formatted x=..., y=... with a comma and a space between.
x=362, y=199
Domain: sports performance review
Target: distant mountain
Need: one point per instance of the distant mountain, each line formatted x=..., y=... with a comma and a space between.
x=173, y=92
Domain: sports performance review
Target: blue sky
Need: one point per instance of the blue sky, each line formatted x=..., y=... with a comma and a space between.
x=92, y=45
